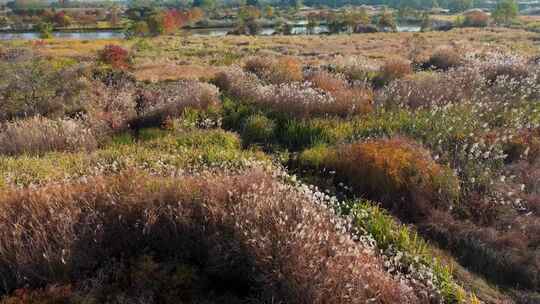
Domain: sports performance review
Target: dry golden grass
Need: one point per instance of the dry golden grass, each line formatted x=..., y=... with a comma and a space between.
x=160, y=72
x=207, y=51
x=75, y=48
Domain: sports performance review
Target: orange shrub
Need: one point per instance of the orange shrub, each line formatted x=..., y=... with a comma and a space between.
x=327, y=81
x=359, y=99
x=276, y=71
x=289, y=69
x=399, y=173
x=344, y=94
x=393, y=69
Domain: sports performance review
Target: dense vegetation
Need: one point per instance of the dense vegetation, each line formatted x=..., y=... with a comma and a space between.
x=272, y=177
x=152, y=18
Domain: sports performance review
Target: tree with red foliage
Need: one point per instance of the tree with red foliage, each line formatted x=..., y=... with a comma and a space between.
x=175, y=19
x=115, y=55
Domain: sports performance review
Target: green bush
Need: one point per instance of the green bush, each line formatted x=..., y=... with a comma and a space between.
x=258, y=129
x=390, y=235
x=45, y=30
x=299, y=134
x=36, y=87
x=315, y=157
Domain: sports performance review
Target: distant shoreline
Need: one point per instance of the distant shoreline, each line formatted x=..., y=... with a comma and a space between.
x=81, y=29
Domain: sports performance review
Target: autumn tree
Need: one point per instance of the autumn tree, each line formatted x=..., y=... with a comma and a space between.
x=173, y=20
x=248, y=20
x=387, y=21
x=269, y=12
x=353, y=18
x=196, y=14
x=61, y=19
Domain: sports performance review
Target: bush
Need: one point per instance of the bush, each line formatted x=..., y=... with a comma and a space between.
x=300, y=134
x=506, y=69
x=115, y=55
x=444, y=59
x=137, y=29
x=39, y=135
x=242, y=85
x=299, y=100
x=392, y=70
x=357, y=68
x=525, y=145
x=302, y=101
x=258, y=128
x=327, y=82
x=495, y=80
x=35, y=87
x=355, y=100
x=249, y=234
x=502, y=256
x=476, y=19
x=275, y=71
x=45, y=30
x=316, y=157
x=396, y=172
x=434, y=89
x=161, y=102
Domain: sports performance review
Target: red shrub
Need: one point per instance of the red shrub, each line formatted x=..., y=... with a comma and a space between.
x=173, y=20
x=115, y=55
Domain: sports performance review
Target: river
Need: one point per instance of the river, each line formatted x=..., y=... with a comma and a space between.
x=213, y=32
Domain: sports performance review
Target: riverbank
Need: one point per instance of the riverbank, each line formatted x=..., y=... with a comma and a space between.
x=118, y=33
